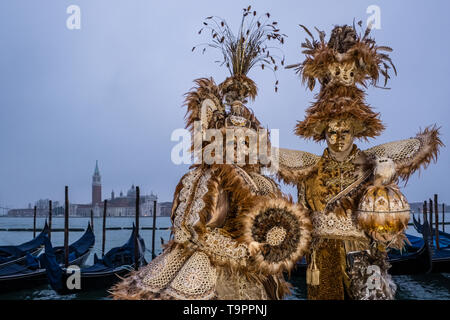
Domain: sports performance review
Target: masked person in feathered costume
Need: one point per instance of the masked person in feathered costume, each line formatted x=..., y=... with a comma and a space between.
x=357, y=210
x=234, y=232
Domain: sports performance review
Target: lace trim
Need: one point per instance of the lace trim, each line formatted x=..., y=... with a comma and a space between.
x=196, y=279
x=163, y=269
x=198, y=204
x=331, y=226
x=265, y=185
x=223, y=248
x=295, y=159
x=181, y=233
x=397, y=150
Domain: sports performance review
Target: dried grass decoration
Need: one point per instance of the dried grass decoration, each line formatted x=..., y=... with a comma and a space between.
x=249, y=48
x=278, y=233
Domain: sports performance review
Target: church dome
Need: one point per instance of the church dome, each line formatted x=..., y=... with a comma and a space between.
x=131, y=193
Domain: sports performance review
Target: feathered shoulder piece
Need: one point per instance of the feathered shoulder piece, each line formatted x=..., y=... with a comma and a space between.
x=411, y=154
x=293, y=165
x=408, y=156
x=348, y=58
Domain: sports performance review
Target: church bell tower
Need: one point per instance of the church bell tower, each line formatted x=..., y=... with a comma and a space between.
x=96, y=185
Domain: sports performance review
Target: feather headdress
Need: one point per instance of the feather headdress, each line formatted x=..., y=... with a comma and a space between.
x=206, y=102
x=364, y=60
x=339, y=65
x=244, y=51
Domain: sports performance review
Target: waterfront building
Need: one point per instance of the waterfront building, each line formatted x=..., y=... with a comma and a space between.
x=121, y=206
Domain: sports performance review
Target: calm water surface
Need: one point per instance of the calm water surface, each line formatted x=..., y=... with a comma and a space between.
x=431, y=286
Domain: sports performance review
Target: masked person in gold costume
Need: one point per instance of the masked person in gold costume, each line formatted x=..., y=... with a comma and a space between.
x=356, y=208
x=234, y=232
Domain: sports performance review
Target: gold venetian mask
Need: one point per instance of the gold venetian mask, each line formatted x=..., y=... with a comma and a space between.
x=339, y=135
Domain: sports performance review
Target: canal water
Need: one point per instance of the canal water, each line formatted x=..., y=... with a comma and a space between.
x=431, y=286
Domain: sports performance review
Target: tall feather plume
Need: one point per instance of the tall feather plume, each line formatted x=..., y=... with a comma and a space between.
x=249, y=47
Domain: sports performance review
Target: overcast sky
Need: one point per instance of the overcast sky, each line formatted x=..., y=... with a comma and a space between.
x=113, y=90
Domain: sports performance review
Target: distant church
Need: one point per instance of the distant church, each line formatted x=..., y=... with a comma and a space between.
x=122, y=206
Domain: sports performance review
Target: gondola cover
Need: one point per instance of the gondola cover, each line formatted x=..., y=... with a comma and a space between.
x=11, y=253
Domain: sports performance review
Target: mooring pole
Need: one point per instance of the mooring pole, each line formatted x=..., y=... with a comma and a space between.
x=136, y=233
x=50, y=219
x=420, y=211
x=66, y=228
x=424, y=212
x=34, y=222
x=443, y=217
x=430, y=213
x=105, y=204
x=154, y=230
x=436, y=217
x=92, y=219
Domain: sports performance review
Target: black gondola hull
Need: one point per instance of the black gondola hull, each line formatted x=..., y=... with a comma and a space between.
x=16, y=282
x=416, y=263
x=21, y=260
x=95, y=280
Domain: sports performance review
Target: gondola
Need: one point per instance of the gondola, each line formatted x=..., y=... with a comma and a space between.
x=444, y=238
x=18, y=254
x=16, y=276
x=413, y=260
x=104, y=273
x=441, y=257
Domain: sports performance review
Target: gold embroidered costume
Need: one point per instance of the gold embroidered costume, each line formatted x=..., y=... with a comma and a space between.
x=234, y=233
x=357, y=210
